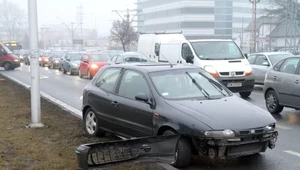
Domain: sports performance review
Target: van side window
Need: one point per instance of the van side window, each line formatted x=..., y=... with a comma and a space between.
x=186, y=51
x=157, y=49
x=1, y=51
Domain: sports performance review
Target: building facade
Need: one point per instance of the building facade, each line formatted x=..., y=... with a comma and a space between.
x=196, y=18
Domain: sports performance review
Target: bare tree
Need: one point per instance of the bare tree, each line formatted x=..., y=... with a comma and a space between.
x=122, y=32
x=284, y=10
x=12, y=19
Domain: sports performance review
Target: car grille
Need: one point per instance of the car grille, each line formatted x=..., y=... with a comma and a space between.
x=229, y=74
x=250, y=131
x=252, y=147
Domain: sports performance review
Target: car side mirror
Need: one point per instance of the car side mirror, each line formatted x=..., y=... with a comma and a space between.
x=189, y=59
x=67, y=59
x=85, y=61
x=265, y=63
x=142, y=97
x=246, y=55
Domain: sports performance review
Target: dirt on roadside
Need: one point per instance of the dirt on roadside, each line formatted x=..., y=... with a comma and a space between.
x=52, y=147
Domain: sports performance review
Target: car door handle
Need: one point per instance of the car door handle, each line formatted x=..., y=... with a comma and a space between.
x=296, y=82
x=274, y=78
x=115, y=103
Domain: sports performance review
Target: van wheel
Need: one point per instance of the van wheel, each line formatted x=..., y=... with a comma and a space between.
x=183, y=153
x=6, y=66
x=245, y=94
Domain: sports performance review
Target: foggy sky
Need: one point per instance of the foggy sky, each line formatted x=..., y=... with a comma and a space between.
x=49, y=10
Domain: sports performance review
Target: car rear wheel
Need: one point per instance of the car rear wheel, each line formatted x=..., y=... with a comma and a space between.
x=272, y=103
x=91, y=124
x=245, y=94
x=6, y=66
x=183, y=154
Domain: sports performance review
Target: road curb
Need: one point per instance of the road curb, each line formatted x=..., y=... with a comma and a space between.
x=75, y=112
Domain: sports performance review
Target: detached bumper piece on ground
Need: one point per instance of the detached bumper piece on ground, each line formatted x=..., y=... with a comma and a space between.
x=107, y=154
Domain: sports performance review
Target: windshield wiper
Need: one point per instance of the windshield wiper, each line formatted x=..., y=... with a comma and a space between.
x=215, y=84
x=204, y=92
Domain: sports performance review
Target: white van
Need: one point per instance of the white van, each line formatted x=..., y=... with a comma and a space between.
x=221, y=58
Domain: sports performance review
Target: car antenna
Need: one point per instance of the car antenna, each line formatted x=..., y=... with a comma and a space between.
x=171, y=65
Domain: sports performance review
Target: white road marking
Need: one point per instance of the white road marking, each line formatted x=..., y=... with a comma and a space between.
x=283, y=127
x=71, y=109
x=292, y=153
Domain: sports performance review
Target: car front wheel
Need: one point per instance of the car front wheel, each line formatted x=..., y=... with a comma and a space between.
x=272, y=103
x=245, y=94
x=91, y=124
x=183, y=154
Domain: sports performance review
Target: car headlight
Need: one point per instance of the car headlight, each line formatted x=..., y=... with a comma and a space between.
x=94, y=66
x=75, y=65
x=16, y=60
x=248, y=70
x=56, y=61
x=21, y=57
x=40, y=59
x=270, y=127
x=220, y=134
x=46, y=59
x=211, y=70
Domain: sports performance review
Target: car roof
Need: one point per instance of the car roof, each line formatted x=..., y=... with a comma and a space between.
x=272, y=53
x=154, y=66
x=210, y=40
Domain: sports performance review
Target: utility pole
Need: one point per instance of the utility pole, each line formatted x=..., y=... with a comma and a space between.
x=253, y=35
x=72, y=30
x=127, y=15
x=34, y=67
x=43, y=32
x=242, y=35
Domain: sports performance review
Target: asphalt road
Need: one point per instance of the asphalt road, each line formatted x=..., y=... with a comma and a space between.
x=286, y=154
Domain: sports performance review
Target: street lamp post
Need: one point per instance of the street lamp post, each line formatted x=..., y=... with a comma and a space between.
x=253, y=39
x=34, y=66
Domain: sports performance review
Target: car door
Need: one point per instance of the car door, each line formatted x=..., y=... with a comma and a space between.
x=296, y=89
x=285, y=80
x=260, y=67
x=102, y=98
x=134, y=117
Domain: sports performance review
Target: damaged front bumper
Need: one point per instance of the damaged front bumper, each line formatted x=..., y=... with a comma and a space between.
x=241, y=145
x=107, y=154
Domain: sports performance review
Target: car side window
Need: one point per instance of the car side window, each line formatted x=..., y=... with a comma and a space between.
x=186, y=51
x=290, y=66
x=84, y=58
x=278, y=65
x=108, y=79
x=132, y=84
x=251, y=59
x=260, y=59
x=119, y=59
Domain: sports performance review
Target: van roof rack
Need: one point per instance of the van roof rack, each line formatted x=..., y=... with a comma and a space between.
x=164, y=32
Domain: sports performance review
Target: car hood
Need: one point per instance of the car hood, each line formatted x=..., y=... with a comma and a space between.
x=225, y=113
x=226, y=65
x=99, y=63
x=75, y=62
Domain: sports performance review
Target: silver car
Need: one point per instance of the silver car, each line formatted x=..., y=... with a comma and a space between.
x=282, y=85
x=262, y=62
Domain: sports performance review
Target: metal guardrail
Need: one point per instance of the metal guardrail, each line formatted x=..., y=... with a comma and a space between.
x=108, y=154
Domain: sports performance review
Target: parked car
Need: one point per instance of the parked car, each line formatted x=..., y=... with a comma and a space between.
x=91, y=62
x=262, y=62
x=55, y=58
x=44, y=58
x=282, y=85
x=8, y=60
x=70, y=62
x=128, y=57
x=135, y=100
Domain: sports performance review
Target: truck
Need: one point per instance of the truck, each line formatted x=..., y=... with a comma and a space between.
x=222, y=58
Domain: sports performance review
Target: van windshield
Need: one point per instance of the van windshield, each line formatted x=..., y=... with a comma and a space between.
x=6, y=49
x=217, y=50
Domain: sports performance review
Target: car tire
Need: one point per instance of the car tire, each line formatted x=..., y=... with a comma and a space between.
x=245, y=94
x=272, y=102
x=70, y=70
x=64, y=71
x=7, y=66
x=48, y=66
x=89, y=75
x=80, y=75
x=183, y=155
x=91, y=126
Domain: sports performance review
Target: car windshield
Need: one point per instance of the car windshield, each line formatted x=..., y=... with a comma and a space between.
x=75, y=56
x=99, y=57
x=217, y=50
x=187, y=84
x=135, y=58
x=275, y=58
x=58, y=55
